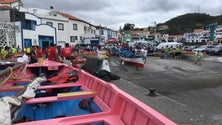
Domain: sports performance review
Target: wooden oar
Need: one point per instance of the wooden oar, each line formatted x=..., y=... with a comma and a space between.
x=8, y=70
x=62, y=97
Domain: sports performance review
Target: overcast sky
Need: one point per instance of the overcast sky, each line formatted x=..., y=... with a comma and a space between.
x=115, y=13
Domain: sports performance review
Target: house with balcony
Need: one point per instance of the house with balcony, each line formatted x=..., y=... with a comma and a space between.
x=175, y=37
x=69, y=29
x=218, y=34
x=63, y=28
x=25, y=29
x=34, y=32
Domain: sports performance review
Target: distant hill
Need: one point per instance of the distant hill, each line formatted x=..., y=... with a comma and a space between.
x=189, y=22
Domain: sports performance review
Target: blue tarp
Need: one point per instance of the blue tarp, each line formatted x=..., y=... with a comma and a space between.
x=54, y=109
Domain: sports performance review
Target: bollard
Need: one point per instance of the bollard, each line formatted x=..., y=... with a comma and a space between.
x=152, y=92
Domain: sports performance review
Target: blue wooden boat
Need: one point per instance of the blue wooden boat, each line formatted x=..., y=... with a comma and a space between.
x=137, y=60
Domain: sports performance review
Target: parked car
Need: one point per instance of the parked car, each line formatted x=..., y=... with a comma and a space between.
x=109, y=46
x=216, y=51
x=80, y=46
x=209, y=48
x=203, y=48
x=168, y=44
x=189, y=48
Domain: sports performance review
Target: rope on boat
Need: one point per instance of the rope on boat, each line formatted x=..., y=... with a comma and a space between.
x=21, y=75
x=6, y=79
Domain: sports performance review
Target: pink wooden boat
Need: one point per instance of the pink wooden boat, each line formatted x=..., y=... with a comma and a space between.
x=111, y=105
x=191, y=54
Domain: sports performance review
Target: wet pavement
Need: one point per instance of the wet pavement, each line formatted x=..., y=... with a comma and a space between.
x=188, y=94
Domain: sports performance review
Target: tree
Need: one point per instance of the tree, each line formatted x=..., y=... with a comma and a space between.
x=128, y=27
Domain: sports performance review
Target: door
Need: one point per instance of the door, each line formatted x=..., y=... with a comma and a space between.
x=45, y=41
x=27, y=43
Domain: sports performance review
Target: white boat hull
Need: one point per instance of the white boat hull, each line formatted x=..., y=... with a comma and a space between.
x=137, y=61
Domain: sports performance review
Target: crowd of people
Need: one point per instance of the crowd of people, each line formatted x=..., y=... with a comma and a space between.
x=52, y=53
x=8, y=52
x=34, y=52
x=171, y=52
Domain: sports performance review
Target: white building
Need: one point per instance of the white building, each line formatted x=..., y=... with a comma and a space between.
x=199, y=35
x=45, y=26
x=106, y=33
x=37, y=33
x=218, y=34
x=12, y=3
x=69, y=29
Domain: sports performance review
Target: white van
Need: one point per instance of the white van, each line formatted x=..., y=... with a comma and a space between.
x=169, y=44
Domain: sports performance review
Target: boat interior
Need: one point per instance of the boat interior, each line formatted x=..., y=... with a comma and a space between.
x=86, y=101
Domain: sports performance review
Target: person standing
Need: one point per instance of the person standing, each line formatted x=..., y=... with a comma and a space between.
x=166, y=52
x=4, y=52
x=178, y=53
x=198, y=55
x=39, y=52
x=13, y=50
x=18, y=49
x=66, y=52
x=51, y=52
x=144, y=52
x=33, y=57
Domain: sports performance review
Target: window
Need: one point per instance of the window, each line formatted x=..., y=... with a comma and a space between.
x=60, y=26
x=101, y=32
x=75, y=27
x=85, y=29
x=30, y=25
x=49, y=23
x=72, y=39
x=80, y=38
x=76, y=37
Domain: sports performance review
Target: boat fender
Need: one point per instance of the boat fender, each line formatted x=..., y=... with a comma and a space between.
x=85, y=104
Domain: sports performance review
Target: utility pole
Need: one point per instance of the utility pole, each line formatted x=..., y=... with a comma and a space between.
x=14, y=9
x=154, y=31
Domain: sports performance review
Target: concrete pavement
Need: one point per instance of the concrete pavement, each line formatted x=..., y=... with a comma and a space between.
x=185, y=92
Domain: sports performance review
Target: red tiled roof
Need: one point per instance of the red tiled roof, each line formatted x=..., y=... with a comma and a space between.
x=5, y=7
x=198, y=30
x=175, y=35
x=7, y=1
x=70, y=16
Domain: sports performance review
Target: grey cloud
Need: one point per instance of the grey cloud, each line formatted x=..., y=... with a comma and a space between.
x=116, y=12
x=160, y=5
x=68, y=5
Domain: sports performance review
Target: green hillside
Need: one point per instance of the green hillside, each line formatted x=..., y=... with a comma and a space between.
x=189, y=22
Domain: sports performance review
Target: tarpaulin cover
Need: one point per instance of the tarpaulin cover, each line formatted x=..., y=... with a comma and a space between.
x=94, y=65
x=55, y=109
